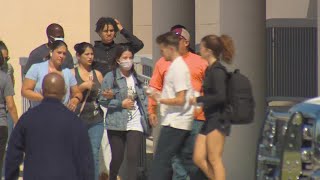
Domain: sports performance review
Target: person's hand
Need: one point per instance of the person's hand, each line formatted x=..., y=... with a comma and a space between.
x=72, y=105
x=108, y=94
x=120, y=27
x=155, y=96
x=153, y=120
x=193, y=100
x=128, y=104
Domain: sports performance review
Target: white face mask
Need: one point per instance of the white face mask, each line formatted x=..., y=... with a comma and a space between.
x=126, y=64
x=57, y=38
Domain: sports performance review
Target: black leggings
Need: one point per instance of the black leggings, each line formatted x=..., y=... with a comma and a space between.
x=118, y=140
x=3, y=143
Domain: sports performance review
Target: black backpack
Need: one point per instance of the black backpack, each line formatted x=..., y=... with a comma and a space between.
x=240, y=102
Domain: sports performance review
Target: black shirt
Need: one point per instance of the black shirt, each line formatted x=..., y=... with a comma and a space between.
x=55, y=143
x=41, y=53
x=104, y=54
x=215, y=89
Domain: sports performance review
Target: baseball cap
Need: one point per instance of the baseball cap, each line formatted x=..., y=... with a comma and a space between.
x=182, y=32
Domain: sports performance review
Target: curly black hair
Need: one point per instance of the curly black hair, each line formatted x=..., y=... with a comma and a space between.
x=106, y=21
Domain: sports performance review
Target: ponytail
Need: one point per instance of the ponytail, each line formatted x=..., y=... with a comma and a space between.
x=228, y=50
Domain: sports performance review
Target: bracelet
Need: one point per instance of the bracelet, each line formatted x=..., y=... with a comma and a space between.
x=77, y=98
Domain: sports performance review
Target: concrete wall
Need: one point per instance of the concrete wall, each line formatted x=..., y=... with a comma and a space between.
x=249, y=37
x=166, y=13
x=142, y=24
x=24, y=24
x=291, y=9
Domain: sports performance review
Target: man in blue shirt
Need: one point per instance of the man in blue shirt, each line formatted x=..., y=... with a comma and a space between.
x=53, y=140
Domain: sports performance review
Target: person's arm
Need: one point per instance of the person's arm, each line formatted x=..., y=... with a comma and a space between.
x=15, y=151
x=107, y=84
x=155, y=82
x=11, y=105
x=8, y=94
x=29, y=83
x=27, y=90
x=218, y=78
x=76, y=97
x=179, y=100
x=135, y=43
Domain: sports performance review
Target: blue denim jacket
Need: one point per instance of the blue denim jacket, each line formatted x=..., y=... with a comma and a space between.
x=117, y=117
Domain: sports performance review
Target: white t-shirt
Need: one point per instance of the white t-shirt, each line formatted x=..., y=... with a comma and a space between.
x=177, y=79
x=134, y=121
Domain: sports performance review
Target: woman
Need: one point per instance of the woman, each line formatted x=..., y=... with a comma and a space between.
x=7, y=68
x=210, y=142
x=32, y=84
x=89, y=82
x=6, y=104
x=126, y=118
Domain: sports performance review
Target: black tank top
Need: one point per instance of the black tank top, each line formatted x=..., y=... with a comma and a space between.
x=91, y=112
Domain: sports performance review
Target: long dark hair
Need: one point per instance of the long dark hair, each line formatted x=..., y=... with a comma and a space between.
x=222, y=46
x=120, y=49
x=1, y=60
x=80, y=48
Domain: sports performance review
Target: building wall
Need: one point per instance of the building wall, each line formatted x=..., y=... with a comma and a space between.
x=250, y=43
x=291, y=9
x=24, y=23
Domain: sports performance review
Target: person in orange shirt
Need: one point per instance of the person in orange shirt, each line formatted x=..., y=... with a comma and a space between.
x=182, y=164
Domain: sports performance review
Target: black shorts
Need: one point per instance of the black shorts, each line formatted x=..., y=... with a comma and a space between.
x=215, y=122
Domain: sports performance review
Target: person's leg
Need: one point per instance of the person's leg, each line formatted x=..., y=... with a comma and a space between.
x=117, y=143
x=3, y=143
x=95, y=133
x=215, y=145
x=200, y=155
x=134, y=140
x=182, y=164
x=169, y=144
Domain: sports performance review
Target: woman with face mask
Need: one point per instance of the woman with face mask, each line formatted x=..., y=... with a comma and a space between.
x=126, y=119
x=31, y=87
x=89, y=82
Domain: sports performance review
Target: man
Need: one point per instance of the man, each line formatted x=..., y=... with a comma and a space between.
x=176, y=111
x=105, y=49
x=197, y=67
x=6, y=103
x=54, y=32
x=53, y=140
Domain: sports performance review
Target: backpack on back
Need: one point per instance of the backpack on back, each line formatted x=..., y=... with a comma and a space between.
x=240, y=102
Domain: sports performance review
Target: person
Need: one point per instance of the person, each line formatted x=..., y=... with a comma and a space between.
x=31, y=86
x=6, y=103
x=89, y=82
x=40, y=54
x=197, y=67
x=105, y=49
x=176, y=112
x=7, y=68
x=210, y=142
x=51, y=140
x=126, y=119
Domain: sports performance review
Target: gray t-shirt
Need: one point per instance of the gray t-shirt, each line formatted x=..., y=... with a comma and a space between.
x=6, y=89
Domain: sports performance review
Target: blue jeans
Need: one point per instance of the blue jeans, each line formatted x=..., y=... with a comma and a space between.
x=182, y=164
x=95, y=132
x=170, y=143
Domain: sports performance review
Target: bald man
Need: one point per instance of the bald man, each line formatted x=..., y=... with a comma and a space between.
x=53, y=139
x=40, y=54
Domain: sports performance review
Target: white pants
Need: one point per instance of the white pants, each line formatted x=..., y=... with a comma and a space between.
x=105, y=151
